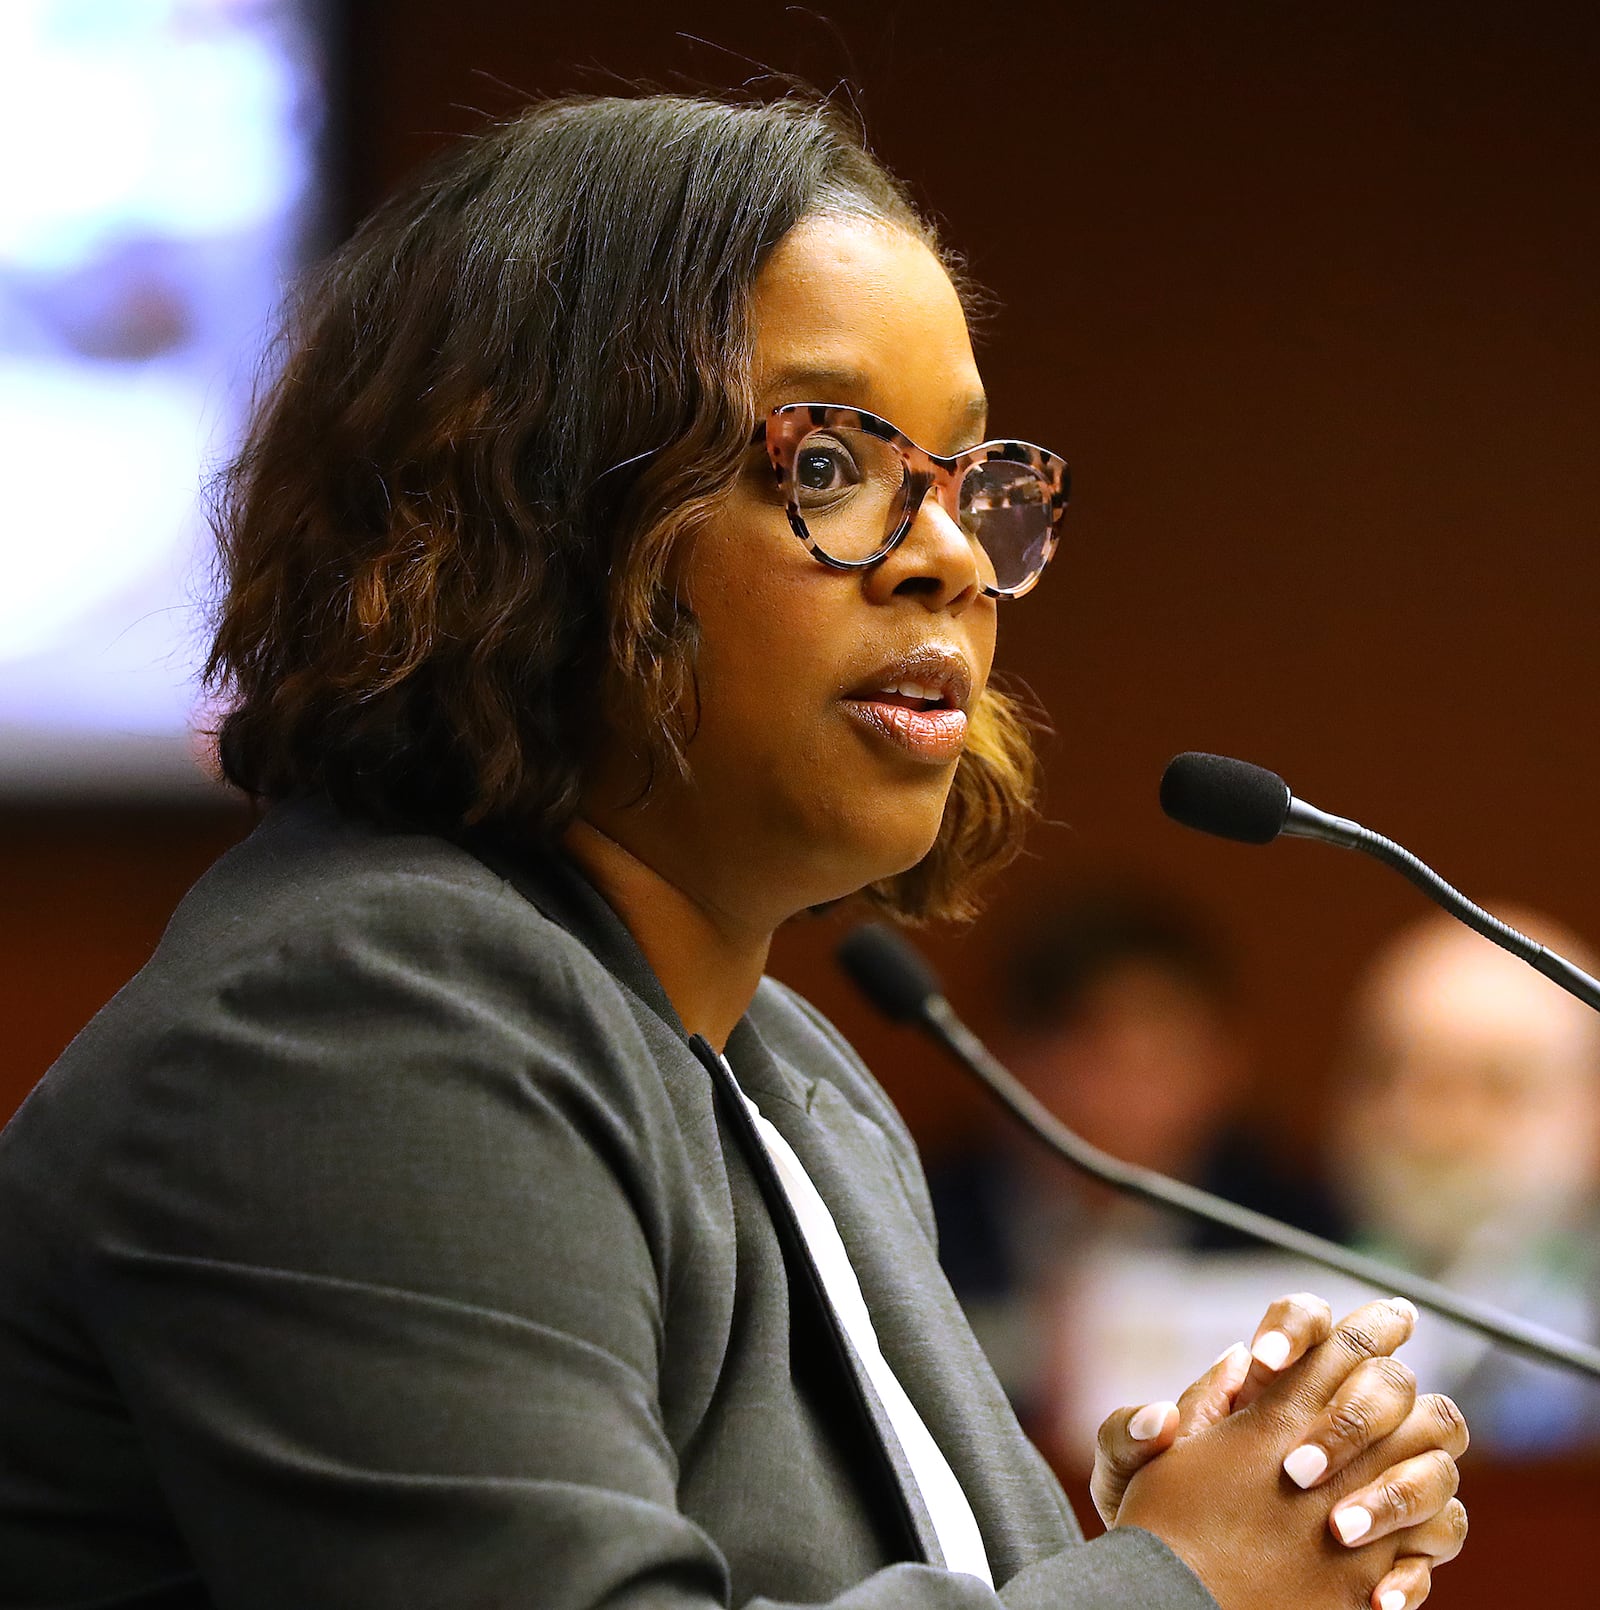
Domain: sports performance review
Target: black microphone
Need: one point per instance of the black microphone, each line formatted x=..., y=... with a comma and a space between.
x=897, y=979
x=1235, y=800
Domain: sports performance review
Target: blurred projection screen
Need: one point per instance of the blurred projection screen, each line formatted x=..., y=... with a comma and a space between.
x=163, y=181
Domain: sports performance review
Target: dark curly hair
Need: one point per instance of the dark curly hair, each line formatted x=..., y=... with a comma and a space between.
x=496, y=413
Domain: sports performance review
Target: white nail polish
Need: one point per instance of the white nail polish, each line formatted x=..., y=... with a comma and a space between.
x=1406, y=1306
x=1352, y=1523
x=1392, y=1599
x=1305, y=1464
x=1147, y=1423
x=1272, y=1350
x=1231, y=1348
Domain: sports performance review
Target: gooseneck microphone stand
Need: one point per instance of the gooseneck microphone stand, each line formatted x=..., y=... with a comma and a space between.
x=897, y=980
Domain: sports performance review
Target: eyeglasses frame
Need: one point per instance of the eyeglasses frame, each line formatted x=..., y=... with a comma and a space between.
x=788, y=425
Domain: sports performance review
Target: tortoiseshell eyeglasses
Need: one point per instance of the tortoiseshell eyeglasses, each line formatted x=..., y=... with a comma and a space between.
x=852, y=485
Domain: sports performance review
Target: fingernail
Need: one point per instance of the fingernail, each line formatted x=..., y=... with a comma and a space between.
x=1147, y=1423
x=1406, y=1306
x=1227, y=1353
x=1305, y=1464
x=1272, y=1350
x=1392, y=1599
x=1352, y=1523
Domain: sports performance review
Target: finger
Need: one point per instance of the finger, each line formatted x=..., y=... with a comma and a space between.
x=1406, y=1496
x=1289, y=1329
x=1405, y=1586
x=1373, y=1331
x=1372, y=1400
x=1437, y=1420
x=1435, y=1424
x=1211, y=1398
x=1438, y=1540
x=1128, y=1440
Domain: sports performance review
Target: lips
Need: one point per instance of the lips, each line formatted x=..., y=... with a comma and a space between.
x=917, y=702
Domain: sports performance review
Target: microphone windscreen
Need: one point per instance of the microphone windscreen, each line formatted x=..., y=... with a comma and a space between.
x=889, y=971
x=1230, y=798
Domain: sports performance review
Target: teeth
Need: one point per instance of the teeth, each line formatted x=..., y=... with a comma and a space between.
x=917, y=690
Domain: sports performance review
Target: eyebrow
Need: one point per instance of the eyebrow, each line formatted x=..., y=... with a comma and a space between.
x=832, y=383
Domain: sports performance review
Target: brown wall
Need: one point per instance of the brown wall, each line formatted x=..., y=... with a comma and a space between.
x=1309, y=295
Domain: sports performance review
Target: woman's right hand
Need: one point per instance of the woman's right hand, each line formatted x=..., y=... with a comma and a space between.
x=1258, y=1533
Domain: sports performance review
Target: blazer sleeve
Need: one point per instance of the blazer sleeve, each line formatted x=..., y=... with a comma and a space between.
x=378, y=1264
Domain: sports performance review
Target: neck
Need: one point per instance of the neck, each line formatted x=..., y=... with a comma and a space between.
x=708, y=965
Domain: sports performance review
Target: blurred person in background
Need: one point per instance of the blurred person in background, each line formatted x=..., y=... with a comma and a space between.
x=1125, y=1019
x=1467, y=1139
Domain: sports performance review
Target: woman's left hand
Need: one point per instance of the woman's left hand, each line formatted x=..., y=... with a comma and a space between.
x=1131, y=1438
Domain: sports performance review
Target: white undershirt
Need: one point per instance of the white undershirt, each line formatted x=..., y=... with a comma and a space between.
x=953, y=1521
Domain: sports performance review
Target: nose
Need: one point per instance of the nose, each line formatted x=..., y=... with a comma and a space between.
x=936, y=563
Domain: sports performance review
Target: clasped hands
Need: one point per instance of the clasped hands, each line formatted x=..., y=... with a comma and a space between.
x=1302, y=1470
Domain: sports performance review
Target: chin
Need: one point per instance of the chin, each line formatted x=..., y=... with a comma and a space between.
x=889, y=860
x=860, y=840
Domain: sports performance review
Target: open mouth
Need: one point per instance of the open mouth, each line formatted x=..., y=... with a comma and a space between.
x=919, y=708
x=913, y=696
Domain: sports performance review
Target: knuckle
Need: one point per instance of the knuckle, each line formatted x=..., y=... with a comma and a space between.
x=1454, y=1423
x=1456, y=1519
x=1447, y=1422
x=1395, y=1496
x=1350, y=1421
x=1445, y=1472
x=1358, y=1338
x=1444, y=1538
x=1301, y=1312
x=1397, y=1375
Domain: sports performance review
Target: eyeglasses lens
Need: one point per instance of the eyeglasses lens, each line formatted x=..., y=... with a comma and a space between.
x=1005, y=509
x=852, y=491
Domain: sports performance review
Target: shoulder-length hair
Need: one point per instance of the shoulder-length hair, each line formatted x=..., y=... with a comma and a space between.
x=444, y=546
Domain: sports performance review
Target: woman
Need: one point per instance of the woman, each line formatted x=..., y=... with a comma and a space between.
x=450, y=1213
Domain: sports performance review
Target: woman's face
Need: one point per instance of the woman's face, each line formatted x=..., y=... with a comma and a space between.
x=814, y=769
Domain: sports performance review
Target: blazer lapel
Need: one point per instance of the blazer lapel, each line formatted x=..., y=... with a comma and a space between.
x=1019, y=1507
x=807, y=1285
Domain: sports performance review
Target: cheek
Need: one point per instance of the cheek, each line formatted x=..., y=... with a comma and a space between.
x=755, y=615
x=768, y=656
x=984, y=630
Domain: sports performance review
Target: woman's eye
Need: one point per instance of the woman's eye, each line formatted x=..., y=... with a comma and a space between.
x=824, y=467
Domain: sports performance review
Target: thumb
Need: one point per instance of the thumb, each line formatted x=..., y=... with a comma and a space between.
x=1128, y=1440
x=1214, y=1395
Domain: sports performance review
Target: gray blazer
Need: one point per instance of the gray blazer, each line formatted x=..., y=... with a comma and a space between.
x=384, y=1243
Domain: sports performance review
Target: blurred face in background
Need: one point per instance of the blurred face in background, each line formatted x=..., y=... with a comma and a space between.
x=1147, y=1068
x=1472, y=1102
